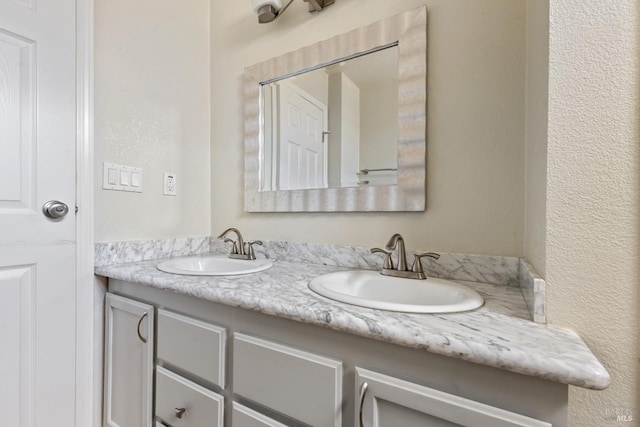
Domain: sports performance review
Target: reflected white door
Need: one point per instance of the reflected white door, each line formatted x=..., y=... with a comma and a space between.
x=37, y=254
x=302, y=151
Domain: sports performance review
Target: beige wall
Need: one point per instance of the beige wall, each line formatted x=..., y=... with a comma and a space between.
x=537, y=94
x=592, y=262
x=152, y=93
x=475, y=202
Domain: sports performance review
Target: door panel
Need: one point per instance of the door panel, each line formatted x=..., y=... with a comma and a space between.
x=37, y=254
x=37, y=324
x=37, y=118
x=303, y=162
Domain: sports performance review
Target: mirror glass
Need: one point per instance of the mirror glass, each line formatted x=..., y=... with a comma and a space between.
x=340, y=125
x=333, y=126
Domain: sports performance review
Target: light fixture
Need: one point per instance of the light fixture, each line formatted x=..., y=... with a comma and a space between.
x=269, y=10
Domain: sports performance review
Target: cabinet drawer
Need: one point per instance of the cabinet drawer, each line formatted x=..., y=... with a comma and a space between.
x=245, y=417
x=192, y=345
x=302, y=385
x=202, y=407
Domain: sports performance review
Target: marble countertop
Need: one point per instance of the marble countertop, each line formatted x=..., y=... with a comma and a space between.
x=500, y=334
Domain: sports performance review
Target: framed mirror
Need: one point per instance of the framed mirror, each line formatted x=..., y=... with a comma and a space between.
x=340, y=125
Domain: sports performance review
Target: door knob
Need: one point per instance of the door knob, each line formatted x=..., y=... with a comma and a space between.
x=54, y=209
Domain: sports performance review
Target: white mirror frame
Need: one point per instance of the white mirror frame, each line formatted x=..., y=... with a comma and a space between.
x=409, y=29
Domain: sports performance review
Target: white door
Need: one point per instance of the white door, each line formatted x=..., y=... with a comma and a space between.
x=302, y=148
x=37, y=254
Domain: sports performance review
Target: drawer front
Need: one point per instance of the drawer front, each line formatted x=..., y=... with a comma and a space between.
x=192, y=345
x=202, y=407
x=301, y=385
x=245, y=417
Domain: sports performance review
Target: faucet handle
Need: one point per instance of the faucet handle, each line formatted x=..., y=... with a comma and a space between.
x=417, y=263
x=250, y=253
x=388, y=262
x=234, y=247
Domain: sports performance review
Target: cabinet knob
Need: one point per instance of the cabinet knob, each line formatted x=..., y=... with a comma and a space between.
x=179, y=412
x=363, y=392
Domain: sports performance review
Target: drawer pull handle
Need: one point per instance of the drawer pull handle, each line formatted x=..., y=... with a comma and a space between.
x=143, y=339
x=179, y=412
x=363, y=392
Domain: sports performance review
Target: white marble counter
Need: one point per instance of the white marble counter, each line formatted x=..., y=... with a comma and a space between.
x=500, y=334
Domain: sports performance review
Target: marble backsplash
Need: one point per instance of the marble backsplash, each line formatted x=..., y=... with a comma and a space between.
x=109, y=253
x=532, y=286
x=495, y=270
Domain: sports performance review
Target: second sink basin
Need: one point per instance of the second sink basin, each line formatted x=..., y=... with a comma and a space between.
x=371, y=289
x=213, y=265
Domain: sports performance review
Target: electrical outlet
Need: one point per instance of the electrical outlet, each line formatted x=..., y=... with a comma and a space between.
x=170, y=184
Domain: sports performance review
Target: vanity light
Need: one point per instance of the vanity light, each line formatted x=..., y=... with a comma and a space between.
x=269, y=10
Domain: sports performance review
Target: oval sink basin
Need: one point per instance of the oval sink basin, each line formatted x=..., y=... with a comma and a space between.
x=372, y=289
x=213, y=265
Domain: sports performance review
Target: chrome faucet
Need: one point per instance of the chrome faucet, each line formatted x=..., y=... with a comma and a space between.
x=397, y=243
x=239, y=249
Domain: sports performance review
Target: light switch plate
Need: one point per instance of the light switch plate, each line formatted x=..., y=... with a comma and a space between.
x=121, y=178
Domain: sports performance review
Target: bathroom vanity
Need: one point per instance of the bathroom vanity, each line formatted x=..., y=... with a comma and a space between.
x=264, y=350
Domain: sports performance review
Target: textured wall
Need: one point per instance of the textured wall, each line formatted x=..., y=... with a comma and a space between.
x=592, y=267
x=475, y=177
x=152, y=93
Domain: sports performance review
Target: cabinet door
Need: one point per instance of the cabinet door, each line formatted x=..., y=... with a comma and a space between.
x=128, y=363
x=384, y=401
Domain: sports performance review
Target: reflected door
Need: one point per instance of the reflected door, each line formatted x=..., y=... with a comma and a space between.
x=302, y=151
x=37, y=254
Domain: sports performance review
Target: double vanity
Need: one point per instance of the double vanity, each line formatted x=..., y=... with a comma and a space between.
x=264, y=349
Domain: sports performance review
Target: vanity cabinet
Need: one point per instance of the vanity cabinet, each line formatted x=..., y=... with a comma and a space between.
x=128, y=380
x=219, y=365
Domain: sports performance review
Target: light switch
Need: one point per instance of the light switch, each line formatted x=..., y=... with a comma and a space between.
x=135, y=179
x=124, y=178
x=112, y=176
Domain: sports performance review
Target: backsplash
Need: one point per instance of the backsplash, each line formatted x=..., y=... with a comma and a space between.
x=475, y=268
x=495, y=270
x=109, y=253
x=533, y=291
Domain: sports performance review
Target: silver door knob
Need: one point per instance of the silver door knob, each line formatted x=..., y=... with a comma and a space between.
x=54, y=209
